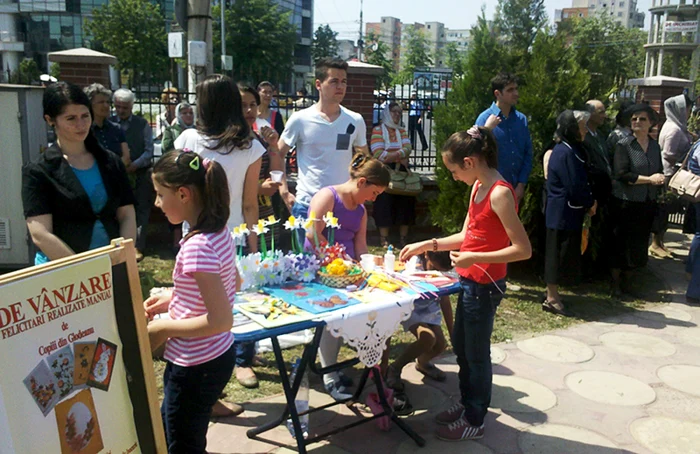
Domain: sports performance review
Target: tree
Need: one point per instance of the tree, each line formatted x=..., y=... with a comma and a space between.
x=416, y=51
x=376, y=54
x=325, y=43
x=518, y=21
x=27, y=72
x=134, y=32
x=259, y=37
x=454, y=59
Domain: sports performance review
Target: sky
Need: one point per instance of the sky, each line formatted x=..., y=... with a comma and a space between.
x=344, y=15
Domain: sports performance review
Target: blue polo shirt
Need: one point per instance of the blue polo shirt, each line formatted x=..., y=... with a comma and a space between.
x=514, y=144
x=110, y=136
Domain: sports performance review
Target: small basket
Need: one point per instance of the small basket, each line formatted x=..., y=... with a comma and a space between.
x=335, y=281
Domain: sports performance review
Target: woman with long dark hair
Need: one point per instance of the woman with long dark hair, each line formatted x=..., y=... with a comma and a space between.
x=76, y=196
x=223, y=135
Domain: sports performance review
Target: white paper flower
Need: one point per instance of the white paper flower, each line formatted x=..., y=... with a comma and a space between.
x=260, y=228
x=293, y=223
x=271, y=220
x=330, y=220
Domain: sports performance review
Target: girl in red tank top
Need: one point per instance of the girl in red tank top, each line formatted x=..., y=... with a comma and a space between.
x=492, y=236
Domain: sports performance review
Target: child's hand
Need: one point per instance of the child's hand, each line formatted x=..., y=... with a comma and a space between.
x=461, y=259
x=157, y=304
x=157, y=333
x=410, y=250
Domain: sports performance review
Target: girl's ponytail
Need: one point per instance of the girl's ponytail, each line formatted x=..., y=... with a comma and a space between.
x=476, y=141
x=216, y=198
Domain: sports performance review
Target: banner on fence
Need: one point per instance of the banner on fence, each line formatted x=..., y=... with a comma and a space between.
x=685, y=26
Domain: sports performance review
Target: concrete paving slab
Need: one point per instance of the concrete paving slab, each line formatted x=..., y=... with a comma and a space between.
x=317, y=448
x=610, y=388
x=558, y=439
x=664, y=313
x=520, y=395
x=690, y=336
x=557, y=349
x=681, y=377
x=664, y=435
x=637, y=344
x=443, y=447
x=671, y=402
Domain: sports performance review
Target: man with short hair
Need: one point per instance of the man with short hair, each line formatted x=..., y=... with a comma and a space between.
x=416, y=110
x=139, y=137
x=326, y=135
x=512, y=133
x=599, y=169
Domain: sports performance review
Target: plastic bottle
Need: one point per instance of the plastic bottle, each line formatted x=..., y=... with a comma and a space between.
x=301, y=402
x=389, y=259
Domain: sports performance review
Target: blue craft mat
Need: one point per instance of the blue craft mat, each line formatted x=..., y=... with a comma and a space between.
x=302, y=294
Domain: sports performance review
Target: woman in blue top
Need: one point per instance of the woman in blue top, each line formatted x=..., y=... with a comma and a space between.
x=77, y=196
x=692, y=295
x=569, y=197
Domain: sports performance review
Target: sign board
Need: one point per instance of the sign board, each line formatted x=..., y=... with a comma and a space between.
x=685, y=26
x=69, y=332
x=175, y=44
x=197, y=53
x=227, y=62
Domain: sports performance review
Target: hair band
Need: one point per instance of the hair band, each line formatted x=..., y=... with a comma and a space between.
x=475, y=133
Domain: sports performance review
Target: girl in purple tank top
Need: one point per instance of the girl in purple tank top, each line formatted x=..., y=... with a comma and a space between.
x=368, y=178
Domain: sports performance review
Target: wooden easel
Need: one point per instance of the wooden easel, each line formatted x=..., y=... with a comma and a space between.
x=123, y=253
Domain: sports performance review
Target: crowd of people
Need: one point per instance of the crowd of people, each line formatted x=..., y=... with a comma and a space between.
x=98, y=182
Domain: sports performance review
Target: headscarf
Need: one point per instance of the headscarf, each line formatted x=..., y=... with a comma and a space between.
x=388, y=123
x=178, y=108
x=567, y=127
x=677, y=111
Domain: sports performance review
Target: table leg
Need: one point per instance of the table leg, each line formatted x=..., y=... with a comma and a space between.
x=388, y=410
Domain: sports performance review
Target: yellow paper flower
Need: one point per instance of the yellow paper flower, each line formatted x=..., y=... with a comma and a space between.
x=309, y=224
x=243, y=229
x=260, y=228
x=330, y=220
x=271, y=220
x=292, y=223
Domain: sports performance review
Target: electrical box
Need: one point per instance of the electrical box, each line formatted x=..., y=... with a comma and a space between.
x=197, y=53
x=24, y=137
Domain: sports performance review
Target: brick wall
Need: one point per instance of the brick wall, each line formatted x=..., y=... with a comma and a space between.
x=360, y=96
x=84, y=74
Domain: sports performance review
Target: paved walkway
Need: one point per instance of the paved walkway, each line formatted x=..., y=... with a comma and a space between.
x=625, y=384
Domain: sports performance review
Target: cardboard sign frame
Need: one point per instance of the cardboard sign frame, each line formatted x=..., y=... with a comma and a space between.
x=131, y=323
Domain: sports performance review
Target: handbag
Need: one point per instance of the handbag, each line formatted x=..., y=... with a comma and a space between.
x=685, y=183
x=404, y=182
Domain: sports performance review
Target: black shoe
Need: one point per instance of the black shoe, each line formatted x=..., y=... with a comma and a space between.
x=402, y=406
x=345, y=380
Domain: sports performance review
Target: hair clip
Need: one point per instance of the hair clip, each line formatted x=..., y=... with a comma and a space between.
x=357, y=161
x=194, y=162
x=475, y=133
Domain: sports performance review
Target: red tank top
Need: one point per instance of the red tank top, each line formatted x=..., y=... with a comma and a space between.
x=485, y=233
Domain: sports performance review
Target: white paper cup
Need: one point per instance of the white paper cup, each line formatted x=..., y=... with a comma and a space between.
x=276, y=176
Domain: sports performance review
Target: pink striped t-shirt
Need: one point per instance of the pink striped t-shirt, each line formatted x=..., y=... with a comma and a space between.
x=204, y=253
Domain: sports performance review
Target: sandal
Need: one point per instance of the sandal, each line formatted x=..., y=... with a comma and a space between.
x=431, y=371
x=554, y=308
x=384, y=241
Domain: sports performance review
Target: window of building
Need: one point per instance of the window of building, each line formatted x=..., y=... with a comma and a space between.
x=428, y=26
x=622, y=4
x=619, y=14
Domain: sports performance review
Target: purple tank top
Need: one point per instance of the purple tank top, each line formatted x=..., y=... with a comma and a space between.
x=349, y=220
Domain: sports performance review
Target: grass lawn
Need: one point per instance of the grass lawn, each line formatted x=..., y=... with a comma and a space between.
x=519, y=315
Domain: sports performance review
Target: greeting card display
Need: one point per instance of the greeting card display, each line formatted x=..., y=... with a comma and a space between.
x=102, y=365
x=83, y=353
x=42, y=386
x=78, y=427
x=61, y=364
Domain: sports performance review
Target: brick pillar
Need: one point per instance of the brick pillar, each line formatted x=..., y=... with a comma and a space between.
x=84, y=66
x=362, y=80
x=655, y=90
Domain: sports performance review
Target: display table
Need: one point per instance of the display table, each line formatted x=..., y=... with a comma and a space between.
x=365, y=327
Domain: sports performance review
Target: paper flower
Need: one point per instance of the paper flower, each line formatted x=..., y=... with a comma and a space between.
x=330, y=220
x=302, y=267
x=271, y=220
x=260, y=228
x=247, y=267
x=293, y=223
x=243, y=229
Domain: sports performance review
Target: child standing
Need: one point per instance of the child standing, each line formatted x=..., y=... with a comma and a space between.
x=492, y=236
x=425, y=324
x=198, y=340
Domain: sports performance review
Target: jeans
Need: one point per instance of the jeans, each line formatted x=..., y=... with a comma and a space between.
x=471, y=339
x=300, y=210
x=189, y=394
x=245, y=351
x=693, y=265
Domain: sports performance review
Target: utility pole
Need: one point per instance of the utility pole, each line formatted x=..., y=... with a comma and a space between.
x=199, y=28
x=360, y=42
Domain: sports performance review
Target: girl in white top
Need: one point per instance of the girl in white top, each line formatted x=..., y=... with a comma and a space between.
x=223, y=135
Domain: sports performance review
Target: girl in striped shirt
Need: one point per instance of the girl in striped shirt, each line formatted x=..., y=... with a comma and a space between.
x=198, y=340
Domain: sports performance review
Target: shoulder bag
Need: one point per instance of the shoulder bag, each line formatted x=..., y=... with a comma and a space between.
x=685, y=183
x=404, y=182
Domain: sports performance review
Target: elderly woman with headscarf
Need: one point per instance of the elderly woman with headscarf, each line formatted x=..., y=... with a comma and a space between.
x=569, y=198
x=675, y=142
x=390, y=144
x=184, y=120
x=638, y=181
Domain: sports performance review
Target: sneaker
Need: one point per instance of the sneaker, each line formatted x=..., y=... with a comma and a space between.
x=337, y=391
x=450, y=415
x=345, y=380
x=460, y=430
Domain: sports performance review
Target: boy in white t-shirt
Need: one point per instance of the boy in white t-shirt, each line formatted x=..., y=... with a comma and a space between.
x=325, y=135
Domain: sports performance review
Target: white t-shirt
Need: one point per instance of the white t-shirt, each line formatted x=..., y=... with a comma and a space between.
x=324, y=150
x=235, y=163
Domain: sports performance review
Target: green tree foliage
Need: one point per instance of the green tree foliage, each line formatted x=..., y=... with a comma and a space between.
x=609, y=52
x=325, y=43
x=376, y=53
x=416, y=53
x=471, y=94
x=55, y=70
x=519, y=21
x=27, y=72
x=259, y=37
x=134, y=32
x=454, y=59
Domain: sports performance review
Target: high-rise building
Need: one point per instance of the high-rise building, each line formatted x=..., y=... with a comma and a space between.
x=461, y=38
x=623, y=11
x=389, y=32
x=33, y=28
x=302, y=16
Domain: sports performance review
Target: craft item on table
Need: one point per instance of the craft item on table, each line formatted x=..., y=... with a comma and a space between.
x=239, y=234
x=302, y=267
x=247, y=267
x=270, y=222
x=310, y=224
x=340, y=273
x=312, y=297
x=260, y=230
x=272, y=312
x=435, y=278
x=272, y=269
x=332, y=225
x=294, y=224
x=326, y=253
